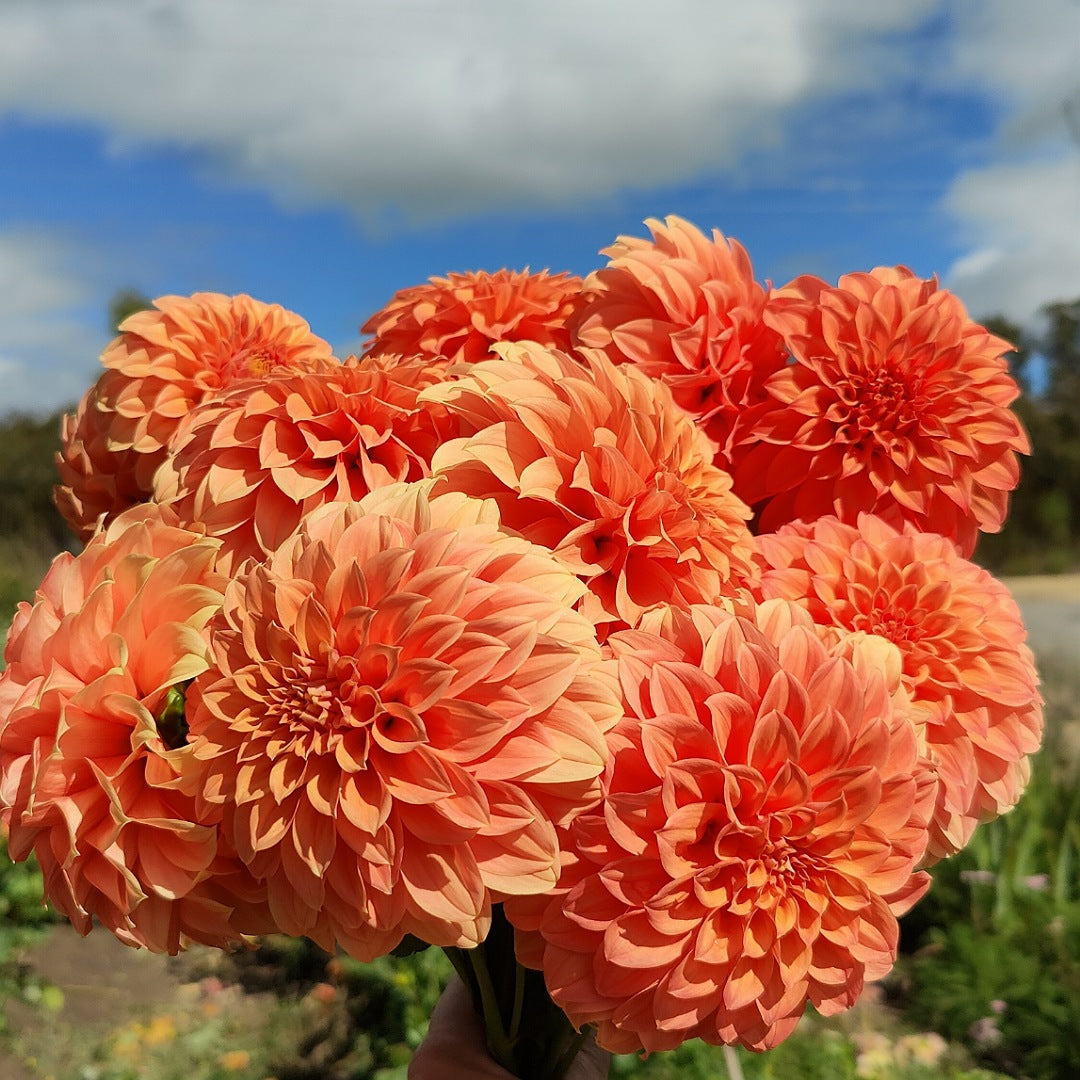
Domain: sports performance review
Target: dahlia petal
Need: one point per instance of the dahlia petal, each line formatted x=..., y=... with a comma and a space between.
x=445, y=884
x=520, y=855
x=744, y=985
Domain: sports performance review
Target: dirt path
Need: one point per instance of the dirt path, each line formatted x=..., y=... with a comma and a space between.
x=103, y=982
x=1051, y=608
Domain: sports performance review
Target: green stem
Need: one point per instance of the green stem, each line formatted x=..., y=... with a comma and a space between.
x=529, y=1035
x=558, y=1065
x=499, y=1043
x=456, y=957
x=731, y=1061
x=519, y=1002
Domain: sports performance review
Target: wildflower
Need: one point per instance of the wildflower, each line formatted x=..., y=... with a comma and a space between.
x=234, y=1060
x=985, y=1033
x=925, y=1049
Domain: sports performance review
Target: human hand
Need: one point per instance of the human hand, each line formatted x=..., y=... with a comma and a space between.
x=455, y=1047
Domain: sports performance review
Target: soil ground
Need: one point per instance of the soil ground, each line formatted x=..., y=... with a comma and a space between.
x=104, y=984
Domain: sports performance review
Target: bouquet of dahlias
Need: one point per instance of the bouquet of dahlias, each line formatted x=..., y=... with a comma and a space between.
x=617, y=635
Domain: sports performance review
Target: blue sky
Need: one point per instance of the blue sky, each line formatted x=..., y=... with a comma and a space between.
x=323, y=155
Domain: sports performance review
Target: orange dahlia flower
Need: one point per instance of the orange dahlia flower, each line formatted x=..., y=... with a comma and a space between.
x=252, y=463
x=970, y=677
x=95, y=775
x=163, y=363
x=401, y=706
x=685, y=309
x=896, y=404
x=764, y=811
x=596, y=463
x=97, y=482
x=456, y=319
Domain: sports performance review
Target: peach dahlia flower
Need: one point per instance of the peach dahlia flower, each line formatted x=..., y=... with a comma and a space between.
x=896, y=404
x=596, y=463
x=456, y=319
x=401, y=706
x=764, y=811
x=970, y=677
x=97, y=482
x=251, y=464
x=162, y=364
x=686, y=309
x=95, y=775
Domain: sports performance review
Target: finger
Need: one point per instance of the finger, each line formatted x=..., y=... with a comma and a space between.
x=455, y=1047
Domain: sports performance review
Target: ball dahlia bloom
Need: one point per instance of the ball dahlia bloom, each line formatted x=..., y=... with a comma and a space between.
x=456, y=319
x=251, y=464
x=162, y=364
x=895, y=404
x=685, y=308
x=97, y=482
x=95, y=775
x=597, y=463
x=970, y=676
x=401, y=706
x=765, y=807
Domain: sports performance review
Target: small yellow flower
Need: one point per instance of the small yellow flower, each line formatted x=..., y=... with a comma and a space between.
x=875, y=1064
x=234, y=1060
x=926, y=1048
x=875, y=1055
x=160, y=1030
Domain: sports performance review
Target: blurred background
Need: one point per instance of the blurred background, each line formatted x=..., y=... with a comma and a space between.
x=324, y=155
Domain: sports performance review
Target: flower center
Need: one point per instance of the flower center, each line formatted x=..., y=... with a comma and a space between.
x=306, y=704
x=877, y=405
x=884, y=618
x=345, y=707
x=252, y=363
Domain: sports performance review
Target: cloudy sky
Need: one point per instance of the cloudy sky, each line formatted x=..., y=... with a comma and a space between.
x=323, y=154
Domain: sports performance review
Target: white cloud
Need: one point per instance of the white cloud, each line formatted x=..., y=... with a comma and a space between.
x=1021, y=214
x=47, y=351
x=1027, y=55
x=1028, y=218
x=426, y=108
